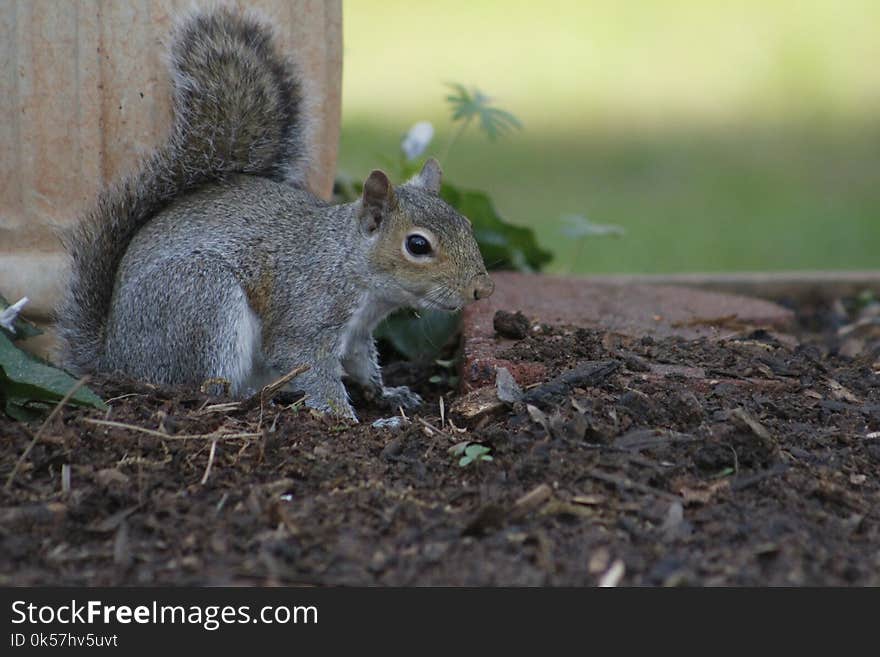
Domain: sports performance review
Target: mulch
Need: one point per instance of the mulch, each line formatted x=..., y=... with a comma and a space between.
x=752, y=460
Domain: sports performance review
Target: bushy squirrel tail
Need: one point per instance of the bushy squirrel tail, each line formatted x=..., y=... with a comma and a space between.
x=237, y=108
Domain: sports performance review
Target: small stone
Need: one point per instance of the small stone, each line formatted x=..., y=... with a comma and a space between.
x=635, y=363
x=506, y=386
x=511, y=325
x=394, y=422
x=638, y=404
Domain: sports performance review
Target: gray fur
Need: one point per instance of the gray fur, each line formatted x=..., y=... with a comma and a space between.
x=209, y=264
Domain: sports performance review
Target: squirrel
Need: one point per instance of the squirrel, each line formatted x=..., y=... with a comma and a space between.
x=214, y=261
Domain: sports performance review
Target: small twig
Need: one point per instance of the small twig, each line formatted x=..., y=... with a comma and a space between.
x=461, y=128
x=531, y=501
x=431, y=428
x=269, y=391
x=241, y=450
x=140, y=472
x=735, y=459
x=578, y=252
x=141, y=461
x=266, y=394
x=221, y=504
x=224, y=407
x=52, y=415
x=165, y=436
x=210, y=461
x=750, y=480
x=65, y=479
x=125, y=396
x=625, y=482
x=436, y=430
x=455, y=428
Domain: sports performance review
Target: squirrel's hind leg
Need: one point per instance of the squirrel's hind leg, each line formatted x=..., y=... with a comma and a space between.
x=184, y=322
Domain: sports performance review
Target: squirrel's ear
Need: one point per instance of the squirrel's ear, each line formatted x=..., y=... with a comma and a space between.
x=378, y=200
x=429, y=177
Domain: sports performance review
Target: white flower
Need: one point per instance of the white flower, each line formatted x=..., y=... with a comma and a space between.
x=8, y=316
x=417, y=139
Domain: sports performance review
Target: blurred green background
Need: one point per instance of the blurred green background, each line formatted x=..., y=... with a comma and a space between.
x=741, y=135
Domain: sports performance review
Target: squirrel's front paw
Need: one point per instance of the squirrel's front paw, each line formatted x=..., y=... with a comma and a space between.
x=400, y=396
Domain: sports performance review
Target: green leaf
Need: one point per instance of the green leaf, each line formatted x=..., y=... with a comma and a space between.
x=467, y=105
x=458, y=448
x=726, y=472
x=18, y=409
x=25, y=378
x=476, y=450
x=503, y=245
x=419, y=338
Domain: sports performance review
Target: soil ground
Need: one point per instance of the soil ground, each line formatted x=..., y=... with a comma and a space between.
x=753, y=460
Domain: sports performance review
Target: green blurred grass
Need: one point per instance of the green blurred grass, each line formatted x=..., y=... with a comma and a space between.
x=721, y=136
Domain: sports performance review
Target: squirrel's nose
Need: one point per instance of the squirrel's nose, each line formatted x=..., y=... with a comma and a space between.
x=481, y=286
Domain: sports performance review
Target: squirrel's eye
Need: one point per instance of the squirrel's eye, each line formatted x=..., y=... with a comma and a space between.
x=418, y=245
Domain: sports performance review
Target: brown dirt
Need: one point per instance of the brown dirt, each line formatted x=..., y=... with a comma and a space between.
x=749, y=461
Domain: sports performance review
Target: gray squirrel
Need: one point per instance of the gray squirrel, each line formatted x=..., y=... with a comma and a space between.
x=213, y=261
